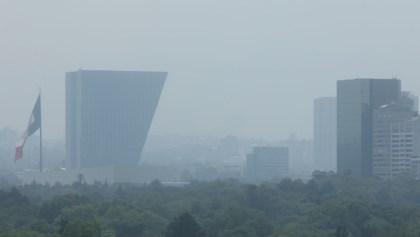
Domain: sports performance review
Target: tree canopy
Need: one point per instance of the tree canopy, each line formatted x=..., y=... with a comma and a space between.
x=325, y=206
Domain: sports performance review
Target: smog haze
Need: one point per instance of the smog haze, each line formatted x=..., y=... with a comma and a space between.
x=248, y=68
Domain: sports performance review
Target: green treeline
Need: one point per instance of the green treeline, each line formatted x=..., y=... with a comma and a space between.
x=327, y=205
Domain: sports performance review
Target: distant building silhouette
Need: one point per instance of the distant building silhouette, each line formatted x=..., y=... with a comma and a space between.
x=108, y=116
x=300, y=154
x=325, y=133
x=266, y=163
x=356, y=100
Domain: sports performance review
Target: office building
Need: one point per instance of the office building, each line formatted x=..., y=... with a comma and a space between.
x=393, y=138
x=356, y=100
x=325, y=134
x=108, y=116
x=266, y=163
x=413, y=130
x=413, y=100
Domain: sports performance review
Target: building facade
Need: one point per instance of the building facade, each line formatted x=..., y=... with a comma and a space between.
x=413, y=129
x=393, y=139
x=325, y=133
x=266, y=163
x=413, y=100
x=108, y=116
x=356, y=100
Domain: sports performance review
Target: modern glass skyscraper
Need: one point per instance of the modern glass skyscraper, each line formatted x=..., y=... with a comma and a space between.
x=356, y=100
x=108, y=116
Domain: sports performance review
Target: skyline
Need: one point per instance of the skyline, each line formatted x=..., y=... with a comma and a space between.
x=227, y=75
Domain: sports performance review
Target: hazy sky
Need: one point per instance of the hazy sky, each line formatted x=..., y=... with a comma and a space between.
x=249, y=68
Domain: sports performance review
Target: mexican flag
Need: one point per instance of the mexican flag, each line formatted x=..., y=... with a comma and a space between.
x=33, y=125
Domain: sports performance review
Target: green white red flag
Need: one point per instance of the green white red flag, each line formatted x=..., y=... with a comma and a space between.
x=33, y=125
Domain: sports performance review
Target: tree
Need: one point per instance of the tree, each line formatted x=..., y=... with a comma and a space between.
x=79, y=228
x=184, y=226
x=42, y=227
x=234, y=219
x=86, y=212
x=125, y=221
x=341, y=232
x=52, y=208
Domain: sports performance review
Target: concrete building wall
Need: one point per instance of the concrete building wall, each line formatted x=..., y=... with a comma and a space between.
x=392, y=138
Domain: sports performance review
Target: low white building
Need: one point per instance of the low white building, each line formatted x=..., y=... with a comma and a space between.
x=112, y=174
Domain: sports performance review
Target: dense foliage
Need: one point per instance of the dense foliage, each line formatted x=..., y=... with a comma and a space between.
x=327, y=205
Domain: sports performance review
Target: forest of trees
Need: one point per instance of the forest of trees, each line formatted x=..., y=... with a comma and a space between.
x=327, y=205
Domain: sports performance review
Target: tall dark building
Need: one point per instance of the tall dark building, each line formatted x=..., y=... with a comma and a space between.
x=356, y=100
x=108, y=116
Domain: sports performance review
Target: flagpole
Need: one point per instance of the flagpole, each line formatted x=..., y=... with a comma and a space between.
x=40, y=134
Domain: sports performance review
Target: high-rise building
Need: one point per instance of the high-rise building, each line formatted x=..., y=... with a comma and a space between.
x=413, y=100
x=108, y=116
x=325, y=133
x=392, y=138
x=266, y=163
x=412, y=130
x=356, y=100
